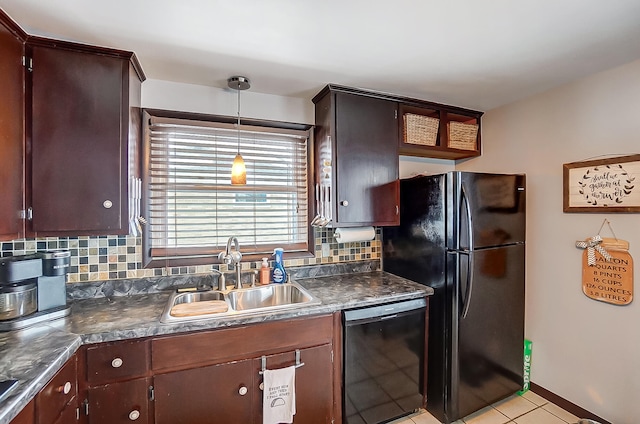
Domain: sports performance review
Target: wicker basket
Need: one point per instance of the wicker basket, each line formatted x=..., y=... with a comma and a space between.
x=462, y=136
x=420, y=129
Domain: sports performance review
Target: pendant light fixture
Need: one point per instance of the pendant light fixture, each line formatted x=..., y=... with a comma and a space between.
x=238, y=169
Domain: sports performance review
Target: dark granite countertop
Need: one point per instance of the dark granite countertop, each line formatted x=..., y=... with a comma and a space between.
x=34, y=355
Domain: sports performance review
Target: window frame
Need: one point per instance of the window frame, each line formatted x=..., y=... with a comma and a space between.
x=209, y=255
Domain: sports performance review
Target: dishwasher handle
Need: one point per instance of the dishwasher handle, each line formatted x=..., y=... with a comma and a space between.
x=380, y=312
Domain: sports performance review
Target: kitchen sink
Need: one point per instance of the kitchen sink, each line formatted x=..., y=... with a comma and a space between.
x=271, y=296
x=197, y=297
x=240, y=302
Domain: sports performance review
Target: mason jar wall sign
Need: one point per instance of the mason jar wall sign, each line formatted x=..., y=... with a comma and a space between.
x=607, y=270
x=603, y=185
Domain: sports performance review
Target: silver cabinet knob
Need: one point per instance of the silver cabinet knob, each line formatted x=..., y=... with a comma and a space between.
x=261, y=386
x=134, y=415
x=397, y=210
x=242, y=390
x=116, y=363
x=345, y=203
x=107, y=204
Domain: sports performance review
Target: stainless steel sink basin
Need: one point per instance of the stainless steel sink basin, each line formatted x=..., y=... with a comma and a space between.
x=252, y=300
x=271, y=296
x=191, y=297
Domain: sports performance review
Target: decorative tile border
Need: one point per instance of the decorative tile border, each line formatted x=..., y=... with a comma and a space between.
x=120, y=257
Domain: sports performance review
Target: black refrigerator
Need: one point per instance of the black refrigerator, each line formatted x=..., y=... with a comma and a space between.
x=463, y=234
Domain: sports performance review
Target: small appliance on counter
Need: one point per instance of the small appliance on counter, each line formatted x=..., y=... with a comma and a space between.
x=33, y=289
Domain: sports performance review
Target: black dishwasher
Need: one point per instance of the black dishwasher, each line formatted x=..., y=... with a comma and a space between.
x=383, y=361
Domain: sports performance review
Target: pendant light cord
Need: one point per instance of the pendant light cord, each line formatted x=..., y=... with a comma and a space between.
x=238, y=117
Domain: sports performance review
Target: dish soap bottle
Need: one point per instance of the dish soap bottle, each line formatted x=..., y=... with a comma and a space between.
x=265, y=271
x=278, y=275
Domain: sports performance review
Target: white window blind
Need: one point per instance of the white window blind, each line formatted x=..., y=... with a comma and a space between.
x=191, y=204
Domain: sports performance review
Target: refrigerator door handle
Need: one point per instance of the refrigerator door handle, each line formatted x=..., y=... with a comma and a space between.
x=465, y=201
x=469, y=284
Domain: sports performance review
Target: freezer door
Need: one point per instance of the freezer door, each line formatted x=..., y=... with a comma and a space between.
x=487, y=350
x=416, y=248
x=488, y=209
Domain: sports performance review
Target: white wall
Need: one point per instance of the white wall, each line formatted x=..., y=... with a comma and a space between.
x=168, y=95
x=583, y=350
x=411, y=166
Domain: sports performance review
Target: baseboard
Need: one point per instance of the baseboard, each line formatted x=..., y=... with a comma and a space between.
x=565, y=404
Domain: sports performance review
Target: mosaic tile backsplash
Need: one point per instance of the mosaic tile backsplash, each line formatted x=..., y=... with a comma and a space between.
x=119, y=257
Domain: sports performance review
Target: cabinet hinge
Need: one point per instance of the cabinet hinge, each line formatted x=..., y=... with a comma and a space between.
x=27, y=62
x=395, y=114
x=152, y=393
x=77, y=414
x=27, y=214
x=332, y=356
x=85, y=405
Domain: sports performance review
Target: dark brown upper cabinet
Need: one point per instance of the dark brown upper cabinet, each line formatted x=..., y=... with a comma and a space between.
x=359, y=137
x=11, y=129
x=69, y=133
x=82, y=146
x=356, y=155
x=438, y=131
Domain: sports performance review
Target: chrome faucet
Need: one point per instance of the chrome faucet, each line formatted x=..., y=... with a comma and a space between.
x=222, y=284
x=233, y=257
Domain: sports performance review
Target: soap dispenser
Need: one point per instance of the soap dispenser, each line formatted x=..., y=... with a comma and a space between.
x=265, y=271
x=278, y=275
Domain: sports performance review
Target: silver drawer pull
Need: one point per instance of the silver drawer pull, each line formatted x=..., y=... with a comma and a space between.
x=107, y=204
x=116, y=363
x=134, y=415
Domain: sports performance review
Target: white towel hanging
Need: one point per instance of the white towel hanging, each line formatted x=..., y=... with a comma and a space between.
x=279, y=395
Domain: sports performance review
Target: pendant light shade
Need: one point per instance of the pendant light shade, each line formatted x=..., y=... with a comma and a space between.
x=238, y=169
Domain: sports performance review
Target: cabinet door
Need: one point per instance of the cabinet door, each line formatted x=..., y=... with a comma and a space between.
x=69, y=415
x=314, y=384
x=366, y=160
x=218, y=394
x=120, y=402
x=78, y=142
x=58, y=394
x=11, y=133
x=27, y=415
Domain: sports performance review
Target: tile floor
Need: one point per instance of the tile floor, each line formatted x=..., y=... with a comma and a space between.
x=529, y=408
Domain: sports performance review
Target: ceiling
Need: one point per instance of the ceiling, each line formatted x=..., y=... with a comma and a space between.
x=470, y=53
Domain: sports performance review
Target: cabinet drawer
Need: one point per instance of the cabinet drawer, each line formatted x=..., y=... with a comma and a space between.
x=232, y=344
x=57, y=393
x=110, y=362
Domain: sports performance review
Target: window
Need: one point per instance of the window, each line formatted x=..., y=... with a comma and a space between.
x=190, y=204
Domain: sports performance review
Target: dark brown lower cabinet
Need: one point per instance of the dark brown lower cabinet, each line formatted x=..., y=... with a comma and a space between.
x=59, y=396
x=68, y=416
x=214, y=394
x=121, y=402
x=27, y=415
x=232, y=392
x=314, y=384
x=204, y=377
